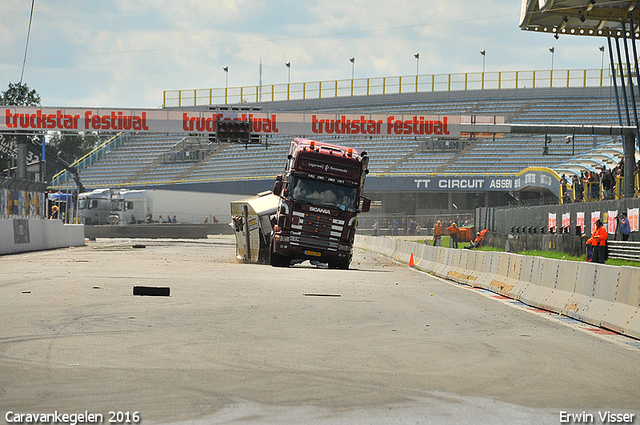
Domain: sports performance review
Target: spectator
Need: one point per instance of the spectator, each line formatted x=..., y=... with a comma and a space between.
x=563, y=184
x=625, y=229
x=175, y=220
x=477, y=242
x=376, y=230
x=437, y=234
x=606, y=177
x=54, y=213
x=577, y=188
x=453, y=233
x=429, y=224
x=598, y=241
x=412, y=227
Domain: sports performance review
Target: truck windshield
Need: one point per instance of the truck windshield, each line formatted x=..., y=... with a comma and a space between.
x=323, y=193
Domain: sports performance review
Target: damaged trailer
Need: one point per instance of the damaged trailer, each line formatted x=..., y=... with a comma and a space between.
x=251, y=220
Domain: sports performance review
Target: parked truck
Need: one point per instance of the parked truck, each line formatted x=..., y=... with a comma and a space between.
x=319, y=201
x=124, y=207
x=94, y=208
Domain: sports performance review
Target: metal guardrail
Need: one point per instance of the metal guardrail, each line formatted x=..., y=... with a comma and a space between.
x=389, y=85
x=624, y=250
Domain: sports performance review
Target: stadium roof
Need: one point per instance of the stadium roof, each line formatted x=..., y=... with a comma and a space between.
x=598, y=18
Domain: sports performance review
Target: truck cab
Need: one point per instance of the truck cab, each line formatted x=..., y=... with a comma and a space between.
x=94, y=207
x=320, y=198
x=129, y=207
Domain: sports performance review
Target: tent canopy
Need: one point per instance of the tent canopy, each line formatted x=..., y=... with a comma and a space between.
x=596, y=18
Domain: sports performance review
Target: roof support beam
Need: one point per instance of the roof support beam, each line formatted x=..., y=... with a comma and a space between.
x=628, y=134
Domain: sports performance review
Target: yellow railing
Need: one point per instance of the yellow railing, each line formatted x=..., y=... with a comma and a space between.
x=63, y=176
x=388, y=85
x=594, y=191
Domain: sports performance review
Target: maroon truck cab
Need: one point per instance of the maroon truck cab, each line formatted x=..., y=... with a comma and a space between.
x=320, y=198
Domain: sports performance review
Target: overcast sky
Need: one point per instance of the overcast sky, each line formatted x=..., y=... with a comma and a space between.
x=124, y=53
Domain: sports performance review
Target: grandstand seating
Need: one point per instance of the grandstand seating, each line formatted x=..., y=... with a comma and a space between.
x=139, y=159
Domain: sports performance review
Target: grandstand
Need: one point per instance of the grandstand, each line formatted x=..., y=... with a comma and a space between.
x=140, y=160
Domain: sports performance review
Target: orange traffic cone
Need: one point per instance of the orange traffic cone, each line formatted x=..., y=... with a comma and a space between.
x=411, y=263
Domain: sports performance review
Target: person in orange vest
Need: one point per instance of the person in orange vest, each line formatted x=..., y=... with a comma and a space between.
x=477, y=242
x=453, y=232
x=54, y=213
x=598, y=241
x=437, y=233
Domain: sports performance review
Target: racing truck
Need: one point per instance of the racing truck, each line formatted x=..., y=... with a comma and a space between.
x=319, y=201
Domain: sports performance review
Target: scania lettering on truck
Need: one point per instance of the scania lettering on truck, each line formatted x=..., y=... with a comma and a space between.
x=320, y=198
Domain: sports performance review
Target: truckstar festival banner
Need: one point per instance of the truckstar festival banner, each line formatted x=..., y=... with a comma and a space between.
x=30, y=119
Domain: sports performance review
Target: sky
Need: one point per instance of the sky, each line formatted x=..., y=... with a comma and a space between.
x=125, y=53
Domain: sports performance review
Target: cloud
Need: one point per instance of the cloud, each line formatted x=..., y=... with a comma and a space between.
x=126, y=52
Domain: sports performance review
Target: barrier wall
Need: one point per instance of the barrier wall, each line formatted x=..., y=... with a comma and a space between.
x=598, y=294
x=22, y=235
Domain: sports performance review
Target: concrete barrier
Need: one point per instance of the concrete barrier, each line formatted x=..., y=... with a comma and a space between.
x=148, y=231
x=489, y=265
x=624, y=316
x=591, y=284
x=24, y=235
x=446, y=262
x=459, y=272
x=598, y=294
x=508, y=275
x=474, y=261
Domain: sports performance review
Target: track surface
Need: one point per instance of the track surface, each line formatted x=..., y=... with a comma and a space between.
x=245, y=344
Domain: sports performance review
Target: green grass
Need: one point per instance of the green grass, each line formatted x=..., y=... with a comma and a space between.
x=564, y=256
x=544, y=254
x=445, y=242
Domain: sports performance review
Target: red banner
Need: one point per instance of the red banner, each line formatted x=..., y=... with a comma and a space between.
x=31, y=119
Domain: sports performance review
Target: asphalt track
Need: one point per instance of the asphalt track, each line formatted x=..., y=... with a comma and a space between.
x=249, y=344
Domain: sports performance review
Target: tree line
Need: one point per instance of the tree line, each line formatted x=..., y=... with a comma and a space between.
x=69, y=147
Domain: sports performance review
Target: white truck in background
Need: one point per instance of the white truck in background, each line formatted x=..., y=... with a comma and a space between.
x=124, y=207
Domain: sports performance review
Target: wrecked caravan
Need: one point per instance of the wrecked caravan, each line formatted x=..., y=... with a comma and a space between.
x=251, y=222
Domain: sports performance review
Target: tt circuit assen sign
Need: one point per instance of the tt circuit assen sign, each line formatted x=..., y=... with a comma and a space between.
x=533, y=177
x=29, y=119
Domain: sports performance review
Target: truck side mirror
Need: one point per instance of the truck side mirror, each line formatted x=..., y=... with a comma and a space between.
x=366, y=204
x=277, y=188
